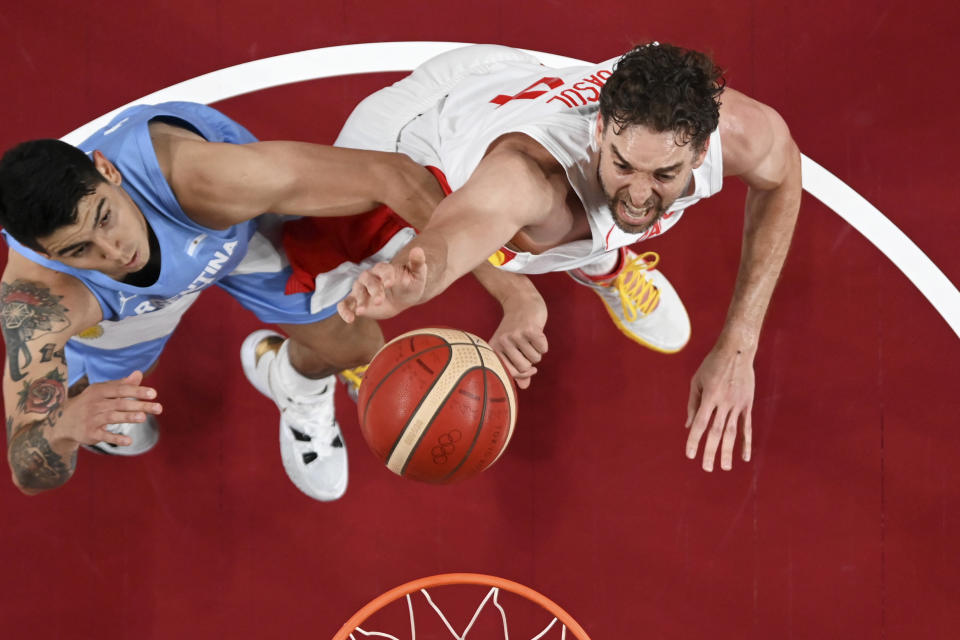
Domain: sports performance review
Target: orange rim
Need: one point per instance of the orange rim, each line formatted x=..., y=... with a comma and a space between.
x=459, y=578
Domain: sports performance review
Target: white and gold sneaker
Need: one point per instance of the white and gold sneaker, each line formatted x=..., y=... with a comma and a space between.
x=642, y=302
x=311, y=446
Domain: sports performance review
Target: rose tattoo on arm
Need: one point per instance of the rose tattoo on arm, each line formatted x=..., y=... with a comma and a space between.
x=35, y=463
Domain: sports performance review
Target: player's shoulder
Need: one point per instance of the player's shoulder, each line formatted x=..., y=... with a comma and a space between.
x=34, y=285
x=750, y=132
x=172, y=144
x=520, y=153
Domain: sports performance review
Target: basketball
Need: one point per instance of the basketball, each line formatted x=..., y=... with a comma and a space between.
x=437, y=405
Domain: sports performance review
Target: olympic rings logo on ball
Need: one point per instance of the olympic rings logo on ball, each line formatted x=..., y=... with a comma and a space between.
x=445, y=446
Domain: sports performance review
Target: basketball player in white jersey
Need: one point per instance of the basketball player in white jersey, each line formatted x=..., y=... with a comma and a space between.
x=563, y=169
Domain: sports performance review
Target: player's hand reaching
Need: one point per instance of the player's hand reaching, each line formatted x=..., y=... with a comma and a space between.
x=721, y=399
x=519, y=340
x=386, y=289
x=87, y=415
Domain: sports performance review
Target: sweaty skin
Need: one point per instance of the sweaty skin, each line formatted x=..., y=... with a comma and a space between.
x=519, y=194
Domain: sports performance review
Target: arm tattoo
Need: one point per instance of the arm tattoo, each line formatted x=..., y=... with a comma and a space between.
x=35, y=464
x=33, y=461
x=44, y=395
x=50, y=351
x=27, y=311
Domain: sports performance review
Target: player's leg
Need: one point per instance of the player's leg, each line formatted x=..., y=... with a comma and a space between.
x=297, y=373
x=640, y=300
x=321, y=349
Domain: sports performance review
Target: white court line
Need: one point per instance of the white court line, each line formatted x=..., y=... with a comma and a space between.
x=376, y=57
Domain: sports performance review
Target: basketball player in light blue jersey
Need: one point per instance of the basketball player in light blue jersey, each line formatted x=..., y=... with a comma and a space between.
x=112, y=242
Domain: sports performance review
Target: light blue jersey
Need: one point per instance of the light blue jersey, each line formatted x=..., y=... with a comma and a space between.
x=137, y=321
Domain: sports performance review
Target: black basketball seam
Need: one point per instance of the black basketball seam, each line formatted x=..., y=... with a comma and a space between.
x=400, y=364
x=422, y=396
x=483, y=415
x=440, y=407
x=390, y=373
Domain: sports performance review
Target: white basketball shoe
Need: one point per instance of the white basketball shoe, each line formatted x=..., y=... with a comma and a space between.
x=311, y=446
x=642, y=302
x=144, y=435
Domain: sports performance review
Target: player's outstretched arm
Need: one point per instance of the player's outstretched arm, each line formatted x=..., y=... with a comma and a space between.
x=506, y=192
x=220, y=184
x=758, y=148
x=44, y=426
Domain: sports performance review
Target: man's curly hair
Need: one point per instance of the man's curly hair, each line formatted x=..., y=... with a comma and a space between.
x=665, y=88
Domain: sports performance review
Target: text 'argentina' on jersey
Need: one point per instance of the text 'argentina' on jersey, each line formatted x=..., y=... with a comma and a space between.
x=206, y=277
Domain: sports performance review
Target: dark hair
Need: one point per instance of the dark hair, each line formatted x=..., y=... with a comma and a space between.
x=665, y=88
x=41, y=184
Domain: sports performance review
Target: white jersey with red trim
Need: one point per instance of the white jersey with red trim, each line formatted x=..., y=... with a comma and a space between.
x=558, y=108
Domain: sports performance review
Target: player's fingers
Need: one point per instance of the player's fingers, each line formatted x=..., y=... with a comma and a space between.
x=714, y=433
x=346, y=309
x=122, y=390
x=371, y=287
x=697, y=426
x=132, y=405
x=729, y=438
x=135, y=378
x=747, y=437
x=360, y=298
x=537, y=340
x=385, y=273
x=513, y=358
x=522, y=383
x=117, y=439
x=529, y=350
x=417, y=261
x=103, y=435
x=693, y=402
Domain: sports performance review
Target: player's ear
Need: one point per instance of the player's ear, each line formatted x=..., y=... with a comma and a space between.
x=107, y=169
x=702, y=155
x=599, y=130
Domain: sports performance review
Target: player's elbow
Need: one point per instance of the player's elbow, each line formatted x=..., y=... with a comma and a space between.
x=27, y=491
x=399, y=177
x=21, y=482
x=31, y=481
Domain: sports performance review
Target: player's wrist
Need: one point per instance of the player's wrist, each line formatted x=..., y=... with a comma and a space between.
x=738, y=341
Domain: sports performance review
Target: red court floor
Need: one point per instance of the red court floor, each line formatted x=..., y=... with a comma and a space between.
x=845, y=523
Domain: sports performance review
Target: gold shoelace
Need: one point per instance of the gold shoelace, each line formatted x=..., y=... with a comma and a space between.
x=633, y=286
x=354, y=376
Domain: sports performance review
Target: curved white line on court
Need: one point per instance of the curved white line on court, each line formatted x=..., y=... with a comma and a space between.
x=403, y=56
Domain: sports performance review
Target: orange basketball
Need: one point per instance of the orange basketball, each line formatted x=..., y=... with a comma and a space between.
x=437, y=405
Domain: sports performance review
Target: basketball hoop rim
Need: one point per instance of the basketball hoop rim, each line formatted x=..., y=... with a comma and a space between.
x=459, y=578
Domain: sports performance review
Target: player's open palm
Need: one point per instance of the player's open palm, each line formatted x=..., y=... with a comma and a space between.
x=387, y=288
x=721, y=399
x=87, y=415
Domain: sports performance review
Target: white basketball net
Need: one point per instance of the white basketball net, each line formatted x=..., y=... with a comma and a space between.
x=491, y=597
